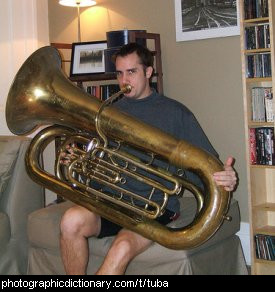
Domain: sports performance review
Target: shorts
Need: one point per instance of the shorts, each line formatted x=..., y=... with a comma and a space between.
x=109, y=228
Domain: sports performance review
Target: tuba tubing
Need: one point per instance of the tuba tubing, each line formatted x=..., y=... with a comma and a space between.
x=41, y=95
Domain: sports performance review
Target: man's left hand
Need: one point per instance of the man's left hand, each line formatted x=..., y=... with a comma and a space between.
x=228, y=177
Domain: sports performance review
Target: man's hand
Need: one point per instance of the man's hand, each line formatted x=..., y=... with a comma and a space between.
x=228, y=177
x=67, y=155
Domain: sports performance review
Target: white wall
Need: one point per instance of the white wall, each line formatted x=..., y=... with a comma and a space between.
x=23, y=29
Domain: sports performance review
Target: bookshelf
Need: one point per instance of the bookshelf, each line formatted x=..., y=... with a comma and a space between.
x=258, y=73
x=153, y=42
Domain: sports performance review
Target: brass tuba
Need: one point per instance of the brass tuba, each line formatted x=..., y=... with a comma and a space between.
x=101, y=136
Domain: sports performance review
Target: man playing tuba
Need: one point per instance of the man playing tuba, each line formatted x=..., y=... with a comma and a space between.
x=134, y=66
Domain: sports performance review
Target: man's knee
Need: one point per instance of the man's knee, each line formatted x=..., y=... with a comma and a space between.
x=129, y=245
x=123, y=246
x=78, y=220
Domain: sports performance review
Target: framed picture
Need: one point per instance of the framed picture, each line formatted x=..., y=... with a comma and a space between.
x=87, y=58
x=203, y=19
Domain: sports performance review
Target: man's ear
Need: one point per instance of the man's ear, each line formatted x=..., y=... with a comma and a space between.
x=149, y=72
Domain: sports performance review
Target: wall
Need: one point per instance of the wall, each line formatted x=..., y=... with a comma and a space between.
x=204, y=74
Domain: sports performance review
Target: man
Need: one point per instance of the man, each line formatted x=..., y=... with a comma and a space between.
x=134, y=66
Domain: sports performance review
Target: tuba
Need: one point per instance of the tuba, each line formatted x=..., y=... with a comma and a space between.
x=103, y=138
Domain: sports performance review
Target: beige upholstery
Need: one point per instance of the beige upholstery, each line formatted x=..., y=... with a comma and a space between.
x=19, y=196
x=222, y=254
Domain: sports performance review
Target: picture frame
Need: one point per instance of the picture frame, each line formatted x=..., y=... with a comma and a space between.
x=196, y=20
x=87, y=58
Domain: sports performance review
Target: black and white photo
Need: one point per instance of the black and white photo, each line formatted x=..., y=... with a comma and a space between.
x=202, y=19
x=88, y=58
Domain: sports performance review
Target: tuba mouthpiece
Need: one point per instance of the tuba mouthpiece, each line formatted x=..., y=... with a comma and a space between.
x=126, y=88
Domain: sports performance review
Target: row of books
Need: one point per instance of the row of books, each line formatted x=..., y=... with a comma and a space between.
x=258, y=65
x=257, y=36
x=262, y=104
x=265, y=247
x=102, y=92
x=262, y=146
x=255, y=9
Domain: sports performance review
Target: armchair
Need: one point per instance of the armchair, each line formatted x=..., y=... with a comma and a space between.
x=19, y=196
x=222, y=254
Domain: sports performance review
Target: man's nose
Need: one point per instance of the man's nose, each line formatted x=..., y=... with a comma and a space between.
x=125, y=78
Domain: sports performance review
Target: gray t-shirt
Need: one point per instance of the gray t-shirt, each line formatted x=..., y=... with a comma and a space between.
x=173, y=118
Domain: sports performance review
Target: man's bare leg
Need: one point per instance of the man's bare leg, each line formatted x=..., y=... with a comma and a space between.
x=76, y=226
x=124, y=248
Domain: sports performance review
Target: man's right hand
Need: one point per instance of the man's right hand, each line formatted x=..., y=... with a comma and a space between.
x=67, y=155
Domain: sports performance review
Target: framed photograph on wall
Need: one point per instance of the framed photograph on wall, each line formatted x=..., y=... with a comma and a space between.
x=203, y=19
x=87, y=58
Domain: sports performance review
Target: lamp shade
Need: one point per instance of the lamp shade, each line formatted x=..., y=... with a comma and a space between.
x=77, y=3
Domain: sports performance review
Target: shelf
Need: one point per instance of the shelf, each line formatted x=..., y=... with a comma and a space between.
x=257, y=51
x=264, y=267
x=94, y=77
x=260, y=124
x=266, y=230
x=256, y=20
x=258, y=80
x=262, y=166
x=266, y=262
x=265, y=207
x=99, y=77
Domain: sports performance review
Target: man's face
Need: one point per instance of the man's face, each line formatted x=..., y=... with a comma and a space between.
x=131, y=71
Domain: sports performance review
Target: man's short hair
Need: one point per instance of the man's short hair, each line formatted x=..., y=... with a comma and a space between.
x=144, y=54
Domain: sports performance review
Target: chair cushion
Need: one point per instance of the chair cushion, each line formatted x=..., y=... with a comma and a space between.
x=9, y=147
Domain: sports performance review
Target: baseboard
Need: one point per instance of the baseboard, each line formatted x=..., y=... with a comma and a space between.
x=244, y=235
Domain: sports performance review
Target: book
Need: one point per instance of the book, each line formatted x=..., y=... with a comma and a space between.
x=262, y=104
x=257, y=36
x=265, y=247
x=261, y=146
x=258, y=65
x=268, y=97
x=255, y=9
x=253, y=155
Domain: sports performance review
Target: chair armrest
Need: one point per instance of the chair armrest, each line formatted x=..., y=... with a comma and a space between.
x=22, y=195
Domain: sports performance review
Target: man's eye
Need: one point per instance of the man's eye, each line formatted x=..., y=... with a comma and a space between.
x=118, y=73
x=132, y=71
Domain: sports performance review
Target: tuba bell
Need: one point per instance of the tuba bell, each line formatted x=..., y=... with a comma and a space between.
x=101, y=135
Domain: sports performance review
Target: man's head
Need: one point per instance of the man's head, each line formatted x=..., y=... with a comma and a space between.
x=134, y=66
